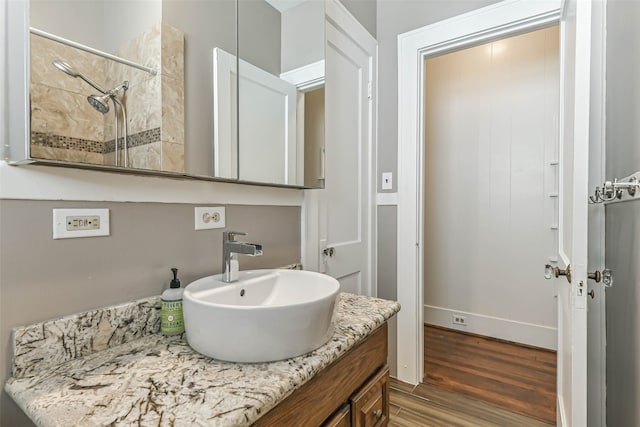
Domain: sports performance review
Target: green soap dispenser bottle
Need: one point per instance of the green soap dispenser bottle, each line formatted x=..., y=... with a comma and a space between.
x=172, y=318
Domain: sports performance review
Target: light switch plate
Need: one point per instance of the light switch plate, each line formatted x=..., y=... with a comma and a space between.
x=387, y=180
x=72, y=223
x=209, y=217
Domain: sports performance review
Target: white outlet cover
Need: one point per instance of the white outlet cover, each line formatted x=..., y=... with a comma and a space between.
x=60, y=223
x=207, y=218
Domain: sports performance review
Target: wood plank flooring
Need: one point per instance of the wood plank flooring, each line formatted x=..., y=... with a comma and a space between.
x=428, y=406
x=506, y=375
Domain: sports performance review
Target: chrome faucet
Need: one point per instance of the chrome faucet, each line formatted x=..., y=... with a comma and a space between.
x=230, y=250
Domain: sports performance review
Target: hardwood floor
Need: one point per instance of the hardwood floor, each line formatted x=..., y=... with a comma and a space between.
x=513, y=377
x=428, y=406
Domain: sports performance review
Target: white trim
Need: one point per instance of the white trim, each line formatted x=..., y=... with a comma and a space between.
x=225, y=131
x=307, y=77
x=561, y=416
x=510, y=330
x=387, y=199
x=18, y=147
x=38, y=182
x=563, y=258
x=498, y=20
x=596, y=316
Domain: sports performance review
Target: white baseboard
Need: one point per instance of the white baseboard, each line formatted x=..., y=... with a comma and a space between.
x=505, y=329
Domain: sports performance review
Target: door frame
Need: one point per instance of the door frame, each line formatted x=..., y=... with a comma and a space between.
x=503, y=19
x=596, y=340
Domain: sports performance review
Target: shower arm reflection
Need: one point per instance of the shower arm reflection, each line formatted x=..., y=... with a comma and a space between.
x=101, y=104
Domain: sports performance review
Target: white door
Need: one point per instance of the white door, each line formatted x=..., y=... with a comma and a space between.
x=575, y=53
x=344, y=247
x=267, y=131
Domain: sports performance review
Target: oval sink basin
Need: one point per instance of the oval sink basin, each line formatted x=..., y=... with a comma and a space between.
x=266, y=315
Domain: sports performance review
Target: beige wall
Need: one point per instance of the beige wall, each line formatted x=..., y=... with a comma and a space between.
x=490, y=137
x=42, y=278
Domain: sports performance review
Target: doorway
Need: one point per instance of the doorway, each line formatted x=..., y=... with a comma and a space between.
x=490, y=213
x=490, y=188
x=579, y=70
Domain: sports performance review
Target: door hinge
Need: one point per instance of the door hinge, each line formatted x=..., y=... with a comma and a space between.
x=370, y=90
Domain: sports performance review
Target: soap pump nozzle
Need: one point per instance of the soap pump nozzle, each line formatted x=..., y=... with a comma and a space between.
x=175, y=282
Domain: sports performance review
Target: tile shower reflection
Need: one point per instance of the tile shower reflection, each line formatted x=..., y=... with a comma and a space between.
x=64, y=127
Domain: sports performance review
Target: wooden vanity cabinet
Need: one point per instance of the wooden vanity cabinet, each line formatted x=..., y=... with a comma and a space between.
x=342, y=418
x=352, y=391
x=370, y=406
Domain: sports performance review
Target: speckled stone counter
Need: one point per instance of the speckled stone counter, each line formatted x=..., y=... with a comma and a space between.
x=110, y=366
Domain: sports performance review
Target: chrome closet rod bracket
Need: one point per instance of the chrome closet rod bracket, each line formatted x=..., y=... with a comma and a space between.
x=611, y=191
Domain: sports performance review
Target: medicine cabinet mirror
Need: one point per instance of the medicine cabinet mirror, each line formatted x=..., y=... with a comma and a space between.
x=159, y=92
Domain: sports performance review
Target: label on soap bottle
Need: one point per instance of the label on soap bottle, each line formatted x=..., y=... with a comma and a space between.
x=172, y=318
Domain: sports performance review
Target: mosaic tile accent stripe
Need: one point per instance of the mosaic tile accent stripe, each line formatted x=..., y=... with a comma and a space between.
x=44, y=345
x=79, y=144
x=66, y=142
x=135, y=140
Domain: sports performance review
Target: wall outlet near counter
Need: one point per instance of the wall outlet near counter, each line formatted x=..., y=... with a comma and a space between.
x=72, y=223
x=210, y=217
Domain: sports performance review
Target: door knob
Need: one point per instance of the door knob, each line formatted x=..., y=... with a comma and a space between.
x=606, y=277
x=550, y=271
x=329, y=252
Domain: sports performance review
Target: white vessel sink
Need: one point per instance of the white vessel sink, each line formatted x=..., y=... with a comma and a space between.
x=266, y=315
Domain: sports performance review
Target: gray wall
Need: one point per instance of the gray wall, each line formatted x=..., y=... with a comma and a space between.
x=209, y=24
x=623, y=219
x=259, y=29
x=42, y=278
x=395, y=17
x=206, y=25
x=365, y=11
x=302, y=35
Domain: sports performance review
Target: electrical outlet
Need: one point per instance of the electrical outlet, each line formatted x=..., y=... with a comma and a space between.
x=459, y=319
x=71, y=223
x=209, y=217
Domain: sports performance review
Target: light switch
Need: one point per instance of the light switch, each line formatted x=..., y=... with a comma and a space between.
x=387, y=180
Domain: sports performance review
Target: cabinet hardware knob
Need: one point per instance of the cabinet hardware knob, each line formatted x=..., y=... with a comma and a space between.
x=377, y=413
x=592, y=293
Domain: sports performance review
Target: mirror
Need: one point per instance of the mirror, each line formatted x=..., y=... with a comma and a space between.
x=164, y=119
x=281, y=92
x=87, y=106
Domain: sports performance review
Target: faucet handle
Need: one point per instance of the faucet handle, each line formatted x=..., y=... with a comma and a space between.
x=230, y=236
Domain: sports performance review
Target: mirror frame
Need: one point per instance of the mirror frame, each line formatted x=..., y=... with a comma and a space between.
x=18, y=149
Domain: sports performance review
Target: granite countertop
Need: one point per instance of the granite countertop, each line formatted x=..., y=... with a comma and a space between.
x=110, y=366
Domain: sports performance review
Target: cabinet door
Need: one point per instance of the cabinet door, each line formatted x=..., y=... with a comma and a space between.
x=370, y=406
x=341, y=418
